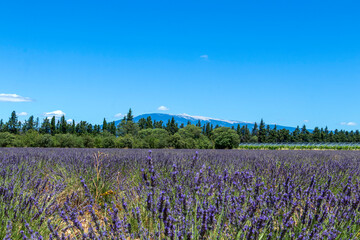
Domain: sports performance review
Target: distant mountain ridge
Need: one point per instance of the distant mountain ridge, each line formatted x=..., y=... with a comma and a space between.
x=184, y=118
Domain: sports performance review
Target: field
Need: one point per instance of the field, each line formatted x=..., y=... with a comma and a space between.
x=300, y=146
x=178, y=194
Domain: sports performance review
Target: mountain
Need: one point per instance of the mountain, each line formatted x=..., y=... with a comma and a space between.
x=184, y=118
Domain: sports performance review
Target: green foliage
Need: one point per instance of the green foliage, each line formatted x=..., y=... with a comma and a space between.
x=156, y=138
x=147, y=133
x=6, y=139
x=126, y=141
x=45, y=141
x=225, y=138
x=68, y=141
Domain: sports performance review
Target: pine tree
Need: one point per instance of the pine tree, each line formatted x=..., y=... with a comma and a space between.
x=73, y=127
x=142, y=123
x=63, y=125
x=129, y=116
x=255, y=130
x=246, y=134
x=172, y=126
x=305, y=134
x=13, y=124
x=149, y=123
x=45, y=127
x=2, y=126
x=30, y=125
x=53, y=126
x=105, y=125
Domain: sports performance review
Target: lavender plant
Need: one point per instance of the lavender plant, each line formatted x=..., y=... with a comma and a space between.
x=178, y=194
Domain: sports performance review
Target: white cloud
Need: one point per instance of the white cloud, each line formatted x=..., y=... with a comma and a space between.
x=22, y=114
x=5, y=97
x=306, y=121
x=56, y=113
x=205, y=56
x=163, y=108
x=119, y=115
x=69, y=121
x=348, y=123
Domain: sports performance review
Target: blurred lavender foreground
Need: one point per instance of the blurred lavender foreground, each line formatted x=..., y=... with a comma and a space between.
x=178, y=194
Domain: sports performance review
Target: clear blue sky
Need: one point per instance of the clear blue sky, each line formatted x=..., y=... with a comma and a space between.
x=288, y=62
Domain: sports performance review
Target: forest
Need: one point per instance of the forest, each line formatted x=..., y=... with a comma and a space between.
x=148, y=133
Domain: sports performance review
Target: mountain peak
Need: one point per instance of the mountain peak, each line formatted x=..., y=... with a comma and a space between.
x=185, y=118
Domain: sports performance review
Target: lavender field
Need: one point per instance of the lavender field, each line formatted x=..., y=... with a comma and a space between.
x=178, y=194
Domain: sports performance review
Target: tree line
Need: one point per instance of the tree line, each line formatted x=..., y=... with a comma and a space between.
x=148, y=133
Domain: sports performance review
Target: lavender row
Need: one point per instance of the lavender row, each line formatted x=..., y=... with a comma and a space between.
x=178, y=194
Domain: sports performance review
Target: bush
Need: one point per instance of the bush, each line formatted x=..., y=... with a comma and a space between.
x=125, y=142
x=108, y=142
x=31, y=138
x=89, y=141
x=45, y=140
x=68, y=141
x=225, y=138
x=6, y=139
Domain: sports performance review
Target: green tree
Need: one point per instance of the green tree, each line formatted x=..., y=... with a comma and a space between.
x=13, y=124
x=63, y=125
x=45, y=127
x=127, y=125
x=104, y=126
x=316, y=135
x=6, y=139
x=225, y=138
x=304, y=134
x=53, y=126
x=255, y=130
x=149, y=123
x=172, y=126
x=262, y=132
x=296, y=135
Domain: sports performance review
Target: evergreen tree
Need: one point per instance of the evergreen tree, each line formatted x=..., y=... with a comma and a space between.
x=273, y=135
x=90, y=128
x=158, y=124
x=63, y=125
x=53, y=126
x=45, y=127
x=262, y=132
x=149, y=123
x=255, y=130
x=296, y=135
x=316, y=135
x=105, y=126
x=30, y=125
x=37, y=124
x=2, y=126
x=142, y=123
x=112, y=128
x=13, y=124
x=129, y=116
x=246, y=134
x=172, y=126
x=208, y=130
x=127, y=126
x=305, y=134
x=73, y=127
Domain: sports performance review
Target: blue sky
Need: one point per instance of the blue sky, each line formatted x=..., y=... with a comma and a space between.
x=289, y=62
